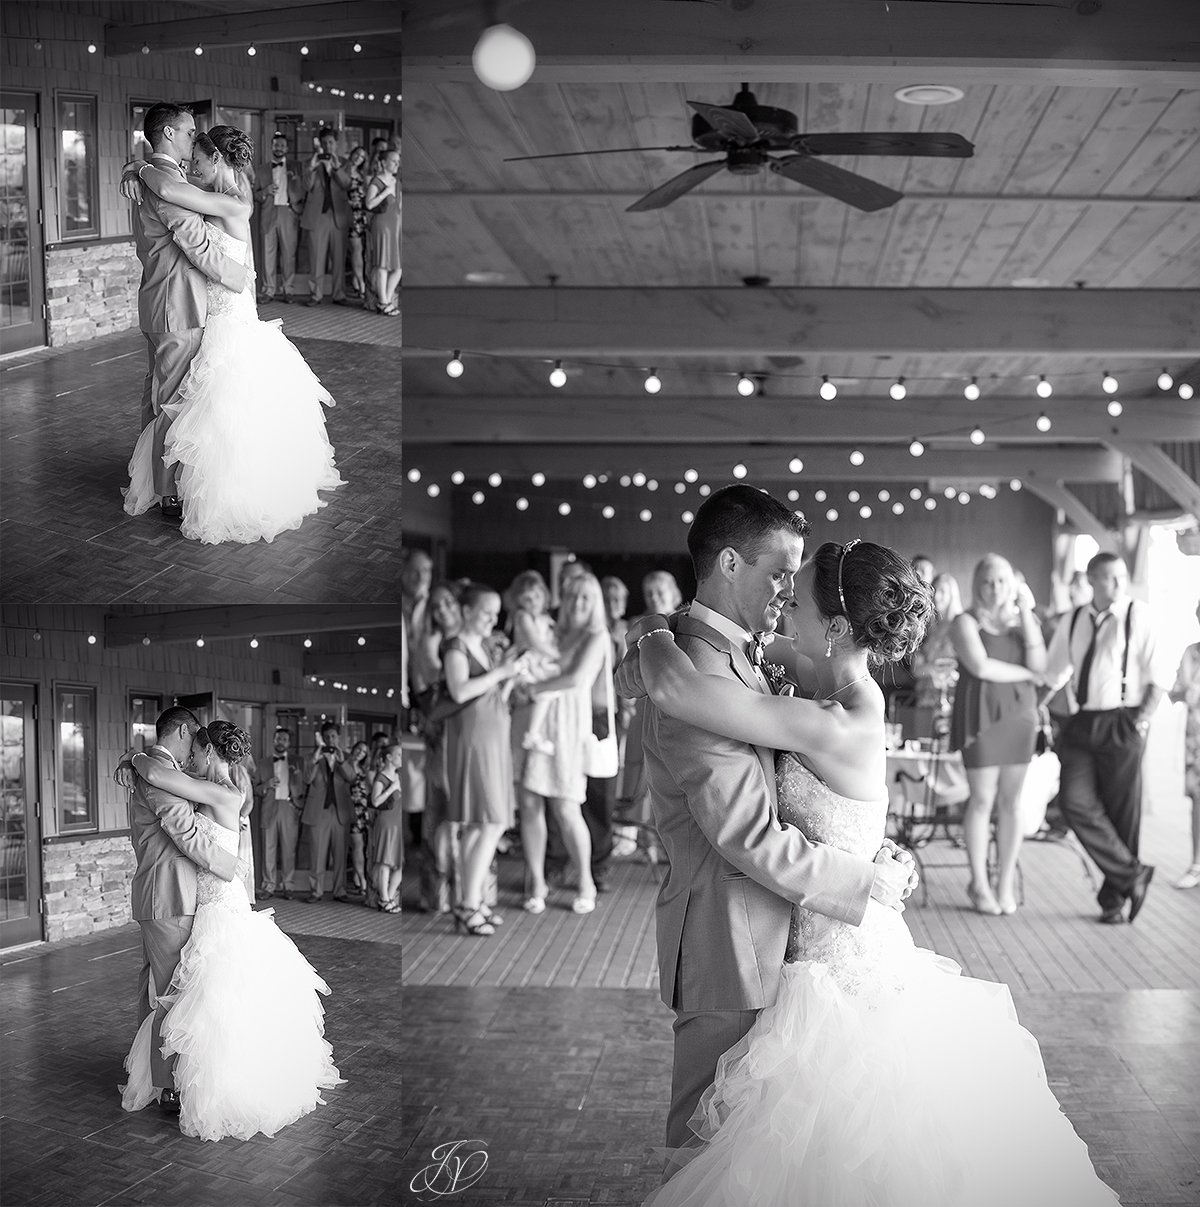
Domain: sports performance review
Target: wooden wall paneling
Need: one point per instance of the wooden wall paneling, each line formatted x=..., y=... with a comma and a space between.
x=1126, y=121
x=1164, y=146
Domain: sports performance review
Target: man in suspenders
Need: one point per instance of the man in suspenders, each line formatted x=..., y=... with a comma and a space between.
x=1107, y=654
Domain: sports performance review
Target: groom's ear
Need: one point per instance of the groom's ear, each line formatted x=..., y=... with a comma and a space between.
x=727, y=561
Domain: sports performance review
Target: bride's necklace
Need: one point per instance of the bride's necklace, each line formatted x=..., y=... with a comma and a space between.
x=843, y=687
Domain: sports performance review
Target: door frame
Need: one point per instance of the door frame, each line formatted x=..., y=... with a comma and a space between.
x=33, y=333
x=29, y=929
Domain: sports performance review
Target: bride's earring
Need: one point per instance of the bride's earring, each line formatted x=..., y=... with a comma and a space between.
x=829, y=644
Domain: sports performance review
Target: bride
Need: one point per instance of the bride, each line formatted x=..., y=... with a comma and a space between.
x=248, y=431
x=244, y=1016
x=880, y=1077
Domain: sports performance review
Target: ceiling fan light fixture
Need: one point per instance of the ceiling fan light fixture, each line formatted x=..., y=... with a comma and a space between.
x=929, y=94
x=503, y=58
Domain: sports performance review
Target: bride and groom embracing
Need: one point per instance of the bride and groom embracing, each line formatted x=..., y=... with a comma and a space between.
x=233, y=435
x=230, y=1034
x=820, y=1056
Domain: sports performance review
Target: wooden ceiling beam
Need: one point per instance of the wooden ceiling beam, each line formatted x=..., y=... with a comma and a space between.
x=246, y=620
x=714, y=464
x=1160, y=468
x=1085, y=520
x=562, y=418
x=381, y=662
x=645, y=324
x=1111, y=45
x=299, y=23
x=356, y=71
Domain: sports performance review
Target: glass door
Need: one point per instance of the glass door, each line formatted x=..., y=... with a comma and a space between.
x=22, y=270
x=20, y=832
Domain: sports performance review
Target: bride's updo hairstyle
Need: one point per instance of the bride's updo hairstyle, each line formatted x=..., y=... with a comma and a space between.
x=236, y=146
x=879, y=593
x=226, y=739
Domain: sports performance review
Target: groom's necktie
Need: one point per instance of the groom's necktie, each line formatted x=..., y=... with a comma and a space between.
x=1085, y=670
x=755, y=652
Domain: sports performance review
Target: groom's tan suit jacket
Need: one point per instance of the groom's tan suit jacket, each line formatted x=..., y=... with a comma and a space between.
x=169, y=848
x=735, y=870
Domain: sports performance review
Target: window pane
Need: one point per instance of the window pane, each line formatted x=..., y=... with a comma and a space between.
x=77, y=130
x=76, y=755
x=143, y=712
x=14, y=897
x=15, y=310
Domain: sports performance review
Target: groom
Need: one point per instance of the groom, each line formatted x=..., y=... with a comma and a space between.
x=735, y=871
x=177, y=257
x=169, y=848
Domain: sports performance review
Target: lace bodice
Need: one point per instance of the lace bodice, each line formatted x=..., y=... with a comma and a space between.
x=854, y=955
x=210, y=889
x=222, y=301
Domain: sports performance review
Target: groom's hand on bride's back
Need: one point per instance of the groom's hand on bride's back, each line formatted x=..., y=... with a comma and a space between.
x=895, y=876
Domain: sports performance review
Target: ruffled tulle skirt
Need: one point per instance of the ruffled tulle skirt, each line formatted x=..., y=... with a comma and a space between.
x=248, y=434
x=915, y=1087
x=248, y=1027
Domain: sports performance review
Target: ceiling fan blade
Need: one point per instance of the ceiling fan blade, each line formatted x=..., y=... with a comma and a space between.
x=676, y=187
x=605, y=151
x=732, y=123
x=946, y=146
x=849, y=187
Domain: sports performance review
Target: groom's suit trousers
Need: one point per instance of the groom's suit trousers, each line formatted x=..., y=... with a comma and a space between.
x=170, y=354
x=162, y=941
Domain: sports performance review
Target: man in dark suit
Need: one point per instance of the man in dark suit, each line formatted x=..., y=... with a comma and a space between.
x=326, y=217
x=280, y=793
x=279, y=191
x=328, y=811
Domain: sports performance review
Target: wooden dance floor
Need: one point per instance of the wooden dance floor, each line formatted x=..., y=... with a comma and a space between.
x=70, y=422
x=547, y=1044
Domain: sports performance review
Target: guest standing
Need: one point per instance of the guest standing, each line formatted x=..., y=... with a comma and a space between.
x=387, y=835
x=1187, y=691
x=281, y=800
x=328, y=812
x=383, y=202
x=357, y=235
x=359, y=764
x=279, y=191
x=478, y=758
x=1001, y=663
x=326, y=218
x=1119, y=674
x=934, y=665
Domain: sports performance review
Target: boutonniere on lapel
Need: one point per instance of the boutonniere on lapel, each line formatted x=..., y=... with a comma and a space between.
x=777, y=679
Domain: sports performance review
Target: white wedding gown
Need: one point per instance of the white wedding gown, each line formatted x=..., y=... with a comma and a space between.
x=244, y=1018
x=880, y=1077
x=248, y=429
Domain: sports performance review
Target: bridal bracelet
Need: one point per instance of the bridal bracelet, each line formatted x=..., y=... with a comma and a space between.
x=652, y=633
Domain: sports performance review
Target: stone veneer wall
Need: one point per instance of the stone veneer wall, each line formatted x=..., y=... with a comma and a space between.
x=91, y=290
x=86, y=885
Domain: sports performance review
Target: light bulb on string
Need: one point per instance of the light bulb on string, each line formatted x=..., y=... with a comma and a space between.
x=1043, y=388
x=91, y=639
x=914, y=493
x=652, y=484
x=478, y=497
x=740, y=471
x=971, y=390
x=558, y=376
x=91, y=48
x=793, y=496
x=361, y=639
x=831, y=514
x=494, y=480
x=1114, y=407
x=1043, y=422
x=645, y=515
x=856, y=457
x=963, y=497
x=251, y=51
x=564, y=509
x=414, y=475
x=1108, y=383
x=145, y=640
x=608, y=511
x=639, y=479
x=950, y=492
x=1165, y=380
x=200, y=50
x=454, y=366
x=680, y=488
x=898, y=389
x=458, y=477
x=433, y=490
x=358, y=48
x=897, y=508
x=828, y=389
x=522, y=504
x=1185, y=391
x=200, y=642
x=820, y=496
x=1015, y=484
x=254, y=643
x=854, y=496
x=795, y=465
x=589, y=481
x=745, y=386
x=538, y=478
x=625, y=480
x=690, y=475
x=304, y=50
x=916, y=448
x=884, y=495
x=308, y=643
x=687, y=517
x=865, y=512
x=652, y=384
x=977, y=436
x=930, y=504
x=705, y=489
x=503, y=58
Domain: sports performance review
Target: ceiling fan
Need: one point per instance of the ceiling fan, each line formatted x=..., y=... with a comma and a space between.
x=754, y=136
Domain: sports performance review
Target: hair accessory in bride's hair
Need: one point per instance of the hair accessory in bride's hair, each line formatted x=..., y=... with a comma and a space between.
x=845, y=549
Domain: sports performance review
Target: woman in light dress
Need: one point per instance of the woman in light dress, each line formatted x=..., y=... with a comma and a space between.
x=880, y=1077
x=236, y=1076
x=248, y=429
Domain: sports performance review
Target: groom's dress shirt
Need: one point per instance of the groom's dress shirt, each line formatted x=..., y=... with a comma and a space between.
x=740, y=637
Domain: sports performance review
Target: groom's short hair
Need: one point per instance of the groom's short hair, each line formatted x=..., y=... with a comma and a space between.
x=738, y=517
x=159, y=117
x=172, y=718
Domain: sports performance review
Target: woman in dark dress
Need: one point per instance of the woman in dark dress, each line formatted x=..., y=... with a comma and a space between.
x=356, y=194
x=387, y=834
x=1001, y=660
x=479, y=768
x=383, y=239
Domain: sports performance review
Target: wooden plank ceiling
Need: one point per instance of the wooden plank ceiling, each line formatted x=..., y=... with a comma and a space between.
x=1092, y=186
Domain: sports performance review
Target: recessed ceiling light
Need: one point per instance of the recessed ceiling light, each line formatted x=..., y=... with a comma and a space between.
x=929, y=94
x=485, y=278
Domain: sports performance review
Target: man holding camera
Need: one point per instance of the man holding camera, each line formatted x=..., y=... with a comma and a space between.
x=328, y=811
x=280, y=802
x=326, y=217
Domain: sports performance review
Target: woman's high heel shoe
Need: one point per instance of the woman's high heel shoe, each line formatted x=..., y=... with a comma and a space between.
x=490, y=914
x=473, y=921
x=983, y=903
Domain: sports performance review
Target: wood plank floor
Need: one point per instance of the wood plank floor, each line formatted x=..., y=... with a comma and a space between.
x=70, y=422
